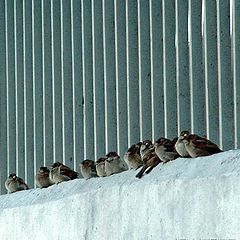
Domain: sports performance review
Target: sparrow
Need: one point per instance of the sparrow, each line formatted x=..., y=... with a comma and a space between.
x=100, y=167
x=132, y=157
x=149, y=158
x=42, y=178
x=88, y=169
x=180, y=145
x=165, y=150
x=198, y=146
x=14, y=183
x=60, y=173
x=114, y=164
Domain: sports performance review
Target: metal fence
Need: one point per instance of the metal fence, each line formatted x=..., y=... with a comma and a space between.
x=79, y=78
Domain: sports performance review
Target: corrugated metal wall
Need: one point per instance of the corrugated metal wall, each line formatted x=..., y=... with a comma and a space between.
x=79, y=78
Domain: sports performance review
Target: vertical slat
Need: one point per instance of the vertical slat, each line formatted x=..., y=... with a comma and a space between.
x=210, y=65
x=87, y=79
x=19, y=87
x=3, y=99
x=236, y=68
x=109, y=75
x=56, y=81
x=66, y=64
x=37, y=83
x=132, y=72
x=156, y=51
x=121, y=76
x=169, y=68
x=78, y=146
x=144, y=70
x=182, y=69
x=197, y=93
x=47, y=83
x=28, y=92
x=225, y=76
x=10, y=87
x=98, y=79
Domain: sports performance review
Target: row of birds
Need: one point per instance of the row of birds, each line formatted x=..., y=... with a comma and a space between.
x=145, y=155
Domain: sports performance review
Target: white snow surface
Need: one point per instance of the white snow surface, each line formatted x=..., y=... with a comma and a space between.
x=184, y=199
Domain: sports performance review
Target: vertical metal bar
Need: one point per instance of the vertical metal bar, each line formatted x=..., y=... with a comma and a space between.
x=56, y=81
x=87, y=79
x=37, y=83
x=197, y=93
x=182, y=67
x=98, y=79
x=47, y=83
x=169, y=68
x=10, y=87
x=78, y=146
x=236, y=67
x=144, y=70
x=109, y=75
x=28, y=92
x=132, y=72
x=19, y=87
x=225, y=82
x=156, y=52
x=66, y=64
x=210, y=64
x=3, y=99
x=121, y=75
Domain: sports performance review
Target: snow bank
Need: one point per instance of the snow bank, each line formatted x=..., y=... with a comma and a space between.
x=187, y=198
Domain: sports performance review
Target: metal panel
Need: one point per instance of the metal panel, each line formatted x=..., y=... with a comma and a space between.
x=169, y=69
x=236, y=67
x=225, y=82
x=197, y=94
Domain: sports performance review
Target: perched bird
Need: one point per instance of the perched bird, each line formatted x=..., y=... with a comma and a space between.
x=114, y=164
x=14, y=183
x=180, y=145
x=165, y=150
x=149, y=158
x=42, y=178
x=88, y=169
x=100, y=167
x=198, y=146
x=60, y=173
x=132, y=157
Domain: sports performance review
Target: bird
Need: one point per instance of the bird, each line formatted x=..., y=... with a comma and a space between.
x=114, y=164
x=88, y=169
x=149, y=158
x=42, y=178
x=198, y=146
x=180, y=145
x=165, y=150
x=132, y=157
x=15, y=183
x=100, y=167
x=60, y=172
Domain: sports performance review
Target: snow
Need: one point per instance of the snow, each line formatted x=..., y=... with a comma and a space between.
x=183, y=199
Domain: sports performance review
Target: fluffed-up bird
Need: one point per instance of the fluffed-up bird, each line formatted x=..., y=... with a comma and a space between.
x=100, y=167
x=114, y=164
x=180, y=145
x=149, y=158
x=198, y=146
x=165, y=150
x=132, y=157
x=88, y=169
x=42, y=178
x=15, y=183
x=60, y=173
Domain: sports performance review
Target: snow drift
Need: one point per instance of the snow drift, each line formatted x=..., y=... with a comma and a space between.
x=183, y=199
